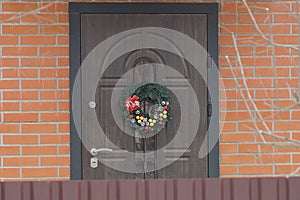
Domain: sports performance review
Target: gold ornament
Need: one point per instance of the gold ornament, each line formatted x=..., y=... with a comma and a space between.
x=165, y=116
x=137, y=117
x=165, y=112
x=139, y=121
x=151, y=124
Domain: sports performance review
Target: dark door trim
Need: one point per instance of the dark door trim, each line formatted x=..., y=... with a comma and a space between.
x=75, y=11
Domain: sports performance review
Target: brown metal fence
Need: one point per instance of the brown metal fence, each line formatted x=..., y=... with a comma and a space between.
x=164, y=189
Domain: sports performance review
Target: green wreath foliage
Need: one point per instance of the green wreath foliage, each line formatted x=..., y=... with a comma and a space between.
x=132, y=101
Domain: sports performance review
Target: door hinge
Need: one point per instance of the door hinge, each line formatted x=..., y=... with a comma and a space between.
x=209, y=110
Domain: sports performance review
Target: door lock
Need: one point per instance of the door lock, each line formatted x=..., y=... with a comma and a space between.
x=92, y=104
x=94, y=152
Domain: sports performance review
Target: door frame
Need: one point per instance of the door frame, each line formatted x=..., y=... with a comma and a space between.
x=210, y=9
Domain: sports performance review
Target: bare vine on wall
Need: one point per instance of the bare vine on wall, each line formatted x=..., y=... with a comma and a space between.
x=261, y=128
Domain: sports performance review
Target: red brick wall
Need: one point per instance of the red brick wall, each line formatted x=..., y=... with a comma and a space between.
x=35, y=90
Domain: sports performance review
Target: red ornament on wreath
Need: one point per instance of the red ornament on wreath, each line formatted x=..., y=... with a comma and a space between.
x=132, y=103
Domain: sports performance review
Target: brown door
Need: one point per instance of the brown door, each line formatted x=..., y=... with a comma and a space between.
x=95, y=28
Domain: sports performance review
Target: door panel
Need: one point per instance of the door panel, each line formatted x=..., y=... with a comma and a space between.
x=95, y=28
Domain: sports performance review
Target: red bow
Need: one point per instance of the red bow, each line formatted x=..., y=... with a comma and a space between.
x=132, y=103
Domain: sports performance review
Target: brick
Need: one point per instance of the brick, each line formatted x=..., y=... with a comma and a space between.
x=63, y=106
x=63, y=18
x=36, y=84
x=39, y=18
x=38, y=150
x=9, y=84
x=275, y=29
x=237, y=137
x=9, y=172
x=54, y=29
x=19, y=73
x=259, y=18
x=39, y=172
x=63, y=84
x=38, y=106
x=237, y=159
x=263, y=51
x=9, y=106
x=286, y=40
x=285, y=169
x=236, y=7
x=54, y=7
x=20, y=95
x=256, y=61
x=55, y=139
x=237, y=29
x=225, y=39
x=286, y=126
x=273, y=158
x=285, y=18
x=9, y=128
x=230, y=50
x=228, y=127
x=256, y=170
x=286, y=149
x=54, y=73
x=6, y=40
x=38, y=62
x=20, y=161
x=9, y=150
x=228, y=170
x=20, y=117
x=228, y=18
x=296, y=158
x=272, y=93
x=38, y=128
x=64, y=128
x=9, y=62
x=62, y=62
x=227, y=72
x=296, y=115
x=64, y=171
x=254, y=148
x=235, y=116
x=295, y=29
x=19, y=51
x=55, y=94
x=62, y=40
x=19, y=29
x=18, y=6
x=55, y=117
x=248, y=126
x=287, y=82
x=285, y=61
x=250, y=40
x=9, y=18
x=228, y=148
x=54, y=51
x=273, y=7
x=39, y=40
x=259, y=83
x=64, y=150
x=55, y=161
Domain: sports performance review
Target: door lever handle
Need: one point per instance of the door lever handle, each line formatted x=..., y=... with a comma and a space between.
x=95, y=151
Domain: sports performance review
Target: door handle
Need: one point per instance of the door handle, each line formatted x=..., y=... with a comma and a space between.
x=95, y=151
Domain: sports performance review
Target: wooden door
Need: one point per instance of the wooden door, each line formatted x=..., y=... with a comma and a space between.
x=95, y=28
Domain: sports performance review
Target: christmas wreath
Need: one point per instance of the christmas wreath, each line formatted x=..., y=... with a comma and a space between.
x=133, y=103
